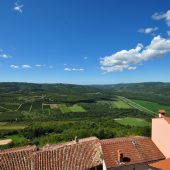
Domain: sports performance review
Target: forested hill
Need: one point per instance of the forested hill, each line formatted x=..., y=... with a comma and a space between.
x=151, y=91
x=158, y=92
x=151, y=87
x=57, y=88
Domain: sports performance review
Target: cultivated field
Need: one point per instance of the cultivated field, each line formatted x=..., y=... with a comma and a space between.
x=120, y=104
x=137, y=106
x=75, y=108
x=132, y=122
x=40, y=114
x=152, y=106
x=19, y=111
x=117, y=104
x=12, y=126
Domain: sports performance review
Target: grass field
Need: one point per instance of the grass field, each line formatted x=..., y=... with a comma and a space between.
x=75, y=108
x=155, y=107
x=17, y=140
x=133, y=122
x=11, y=126
x=120, y=105
x=117, y=104
x=63, y=108
x=137, y=106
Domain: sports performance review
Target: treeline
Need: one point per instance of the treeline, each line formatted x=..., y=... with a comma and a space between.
x=49, y=132
x=92, y=112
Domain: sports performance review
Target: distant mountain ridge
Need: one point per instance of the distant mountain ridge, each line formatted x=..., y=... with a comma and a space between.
x=151, y=91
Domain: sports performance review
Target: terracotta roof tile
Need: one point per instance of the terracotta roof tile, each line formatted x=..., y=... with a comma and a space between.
x=79, y=156
x=135, y=150
x=55, y=146
x=163, y=165
x=167, y=119
x=17, y=158
x=73, y=156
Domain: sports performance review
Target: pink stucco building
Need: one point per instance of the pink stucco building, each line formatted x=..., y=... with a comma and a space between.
x=161, y=133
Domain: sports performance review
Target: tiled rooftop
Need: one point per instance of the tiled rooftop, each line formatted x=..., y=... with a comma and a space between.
x=81, y=155
x=17, y=158
x=135, y=150
x=80, y=141
x=163, y=165
x=73, y=156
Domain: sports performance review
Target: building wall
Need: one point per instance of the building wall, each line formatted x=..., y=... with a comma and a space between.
x=161, y=135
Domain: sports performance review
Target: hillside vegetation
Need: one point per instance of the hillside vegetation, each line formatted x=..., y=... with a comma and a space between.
x=54, y=113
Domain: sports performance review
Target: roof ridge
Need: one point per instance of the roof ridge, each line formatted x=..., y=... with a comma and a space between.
x=19, y=149
x=70, y=143
x=123, y=139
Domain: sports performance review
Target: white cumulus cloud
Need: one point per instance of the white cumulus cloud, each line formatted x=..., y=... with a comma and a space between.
x=14, y=66
x=25, y=66
x=18, y=7
x=159, y=16
x=148, y=30
x=73, y=69
x=40, y=65
x=132, y=68
x=130, y=59
x=4, y=55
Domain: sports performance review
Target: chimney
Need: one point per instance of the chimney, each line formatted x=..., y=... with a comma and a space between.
x=162, y=113
x=76, y=139
x=119, y=156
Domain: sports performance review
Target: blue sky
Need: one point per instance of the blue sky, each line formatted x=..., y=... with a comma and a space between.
x=84, y=41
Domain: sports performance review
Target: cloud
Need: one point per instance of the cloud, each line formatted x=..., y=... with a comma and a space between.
x=40, y=65
x=18, y=7
x=25, y=66
x=73, y=69
x=4, y=55
x=130, y=59
x=159, y=16
x=148, y=30
x=14, y=66
x=168, y=32
x=85, y=58
x=132, y=68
